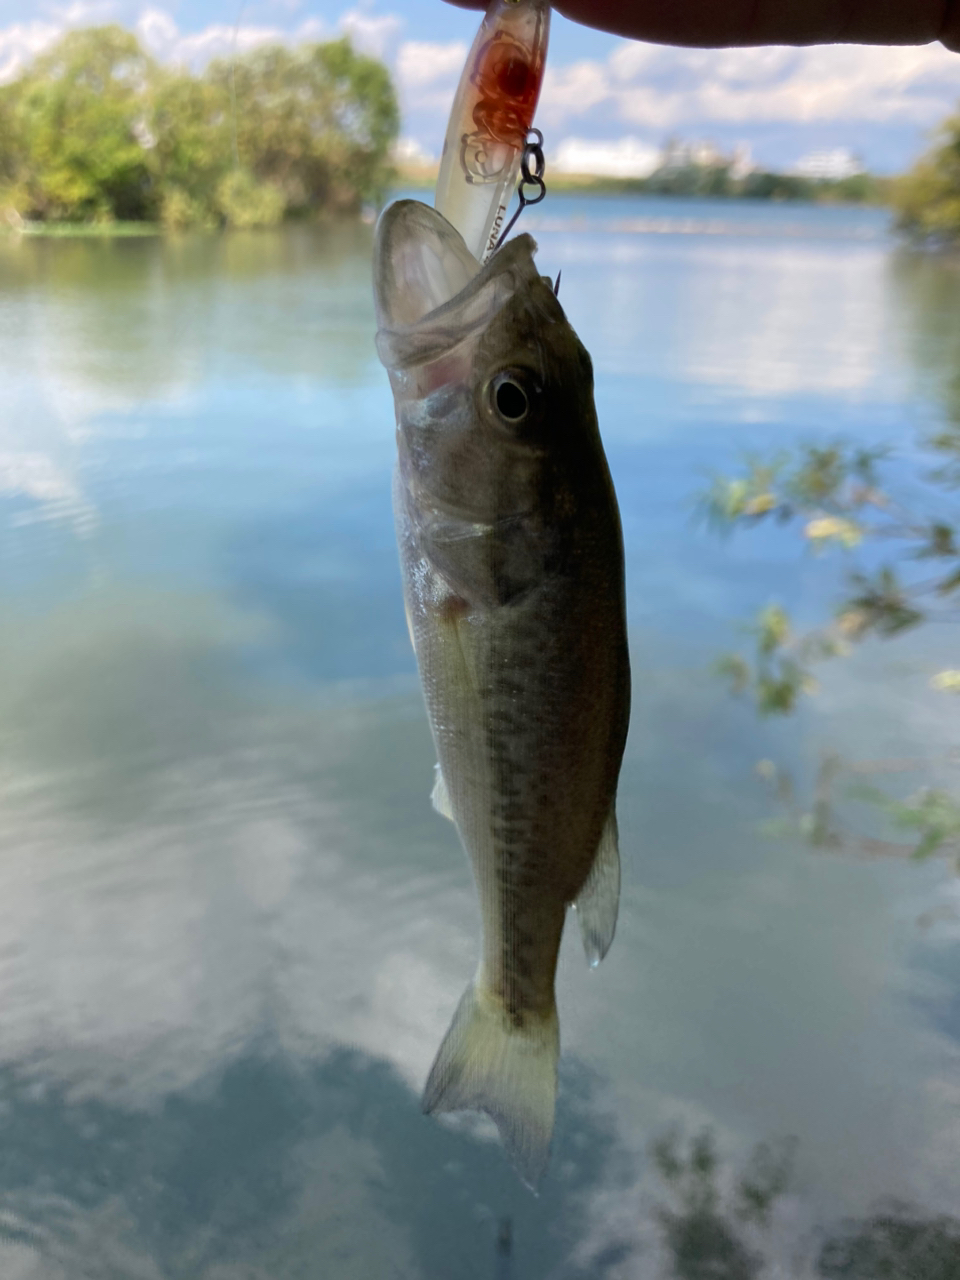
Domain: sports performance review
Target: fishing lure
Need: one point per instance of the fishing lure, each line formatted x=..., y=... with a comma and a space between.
x=490, y=123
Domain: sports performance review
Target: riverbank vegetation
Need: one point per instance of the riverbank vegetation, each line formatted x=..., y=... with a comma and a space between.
x=714, y=181
x=926, y=199
x=718, y=182
x=96, y=132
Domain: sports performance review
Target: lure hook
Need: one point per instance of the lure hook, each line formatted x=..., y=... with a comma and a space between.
x=529, y=177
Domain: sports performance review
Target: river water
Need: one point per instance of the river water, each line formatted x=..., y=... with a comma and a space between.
x=232, y=929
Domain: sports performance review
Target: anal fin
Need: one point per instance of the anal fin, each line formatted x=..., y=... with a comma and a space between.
x=440, y=796
x=600, y=896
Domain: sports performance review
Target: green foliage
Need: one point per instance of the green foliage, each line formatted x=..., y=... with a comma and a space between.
x=710, y=180
x=715, y=180
x=927, y=199
x=834, y=494
x=316, y=122
x=190, y=125
x=244, y=202
x=691, y=180
x=74, y=117
x=179, y=210
x=929, y=817
x=836, y=498
x=931, y=812
x=94, y=130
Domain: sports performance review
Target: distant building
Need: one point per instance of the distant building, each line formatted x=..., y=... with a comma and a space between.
x=828, y=165
x=678, y=153
x=741, y=164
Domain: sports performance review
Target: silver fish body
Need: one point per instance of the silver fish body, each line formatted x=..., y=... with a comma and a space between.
x=512, y=561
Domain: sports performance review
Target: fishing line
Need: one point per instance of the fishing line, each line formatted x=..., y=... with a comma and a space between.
x=233, y=83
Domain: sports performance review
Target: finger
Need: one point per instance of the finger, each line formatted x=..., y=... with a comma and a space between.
x=713, y=23
x=751, y=22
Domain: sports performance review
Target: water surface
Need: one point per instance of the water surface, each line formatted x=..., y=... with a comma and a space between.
x=233, y=931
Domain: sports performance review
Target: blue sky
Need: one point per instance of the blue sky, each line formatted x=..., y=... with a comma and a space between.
x=881, y=103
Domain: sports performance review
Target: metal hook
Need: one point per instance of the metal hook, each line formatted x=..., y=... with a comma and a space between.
x=532, y=151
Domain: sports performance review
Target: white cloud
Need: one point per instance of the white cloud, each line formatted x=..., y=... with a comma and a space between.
x=162, y=37
x=410, y=151
x=422, y=63
x=374, y=34
x=625, y=158
x=21, y=43
x=662, y=87
x=427, y=74
x=86, y=12
x=57, y=496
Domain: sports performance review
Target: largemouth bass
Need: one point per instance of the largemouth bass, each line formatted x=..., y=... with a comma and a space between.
x=512, y=561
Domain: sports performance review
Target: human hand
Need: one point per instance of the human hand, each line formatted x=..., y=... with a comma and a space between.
x=712, y=23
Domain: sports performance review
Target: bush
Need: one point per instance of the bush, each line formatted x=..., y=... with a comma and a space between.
x=927, y=199
x=244, y=202
x=180, y=211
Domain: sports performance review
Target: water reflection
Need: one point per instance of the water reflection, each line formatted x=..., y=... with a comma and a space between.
x=723, y=1223
x=740, y=311
x=232, y=930
x=928, y=292
x=273, y=1166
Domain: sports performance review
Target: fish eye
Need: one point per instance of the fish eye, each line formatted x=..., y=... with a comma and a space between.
x=511, y=399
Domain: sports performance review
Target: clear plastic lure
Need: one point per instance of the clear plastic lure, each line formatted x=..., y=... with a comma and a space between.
x=491, y=117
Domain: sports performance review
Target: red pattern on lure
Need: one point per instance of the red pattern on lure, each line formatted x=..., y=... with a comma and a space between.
x=509, y=86
x=507, y=82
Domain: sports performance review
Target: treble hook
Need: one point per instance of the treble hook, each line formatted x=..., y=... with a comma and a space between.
x=532, y=151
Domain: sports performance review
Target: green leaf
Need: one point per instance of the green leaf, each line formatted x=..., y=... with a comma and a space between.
x=930, y=843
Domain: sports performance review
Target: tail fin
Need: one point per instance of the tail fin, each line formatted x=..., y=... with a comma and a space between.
x=487, y=1064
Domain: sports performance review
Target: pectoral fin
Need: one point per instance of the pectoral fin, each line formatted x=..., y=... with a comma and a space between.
x=440, y=796
x=600, y=896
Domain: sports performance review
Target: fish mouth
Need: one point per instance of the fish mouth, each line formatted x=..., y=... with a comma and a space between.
x=420, y=262
x=431, y=292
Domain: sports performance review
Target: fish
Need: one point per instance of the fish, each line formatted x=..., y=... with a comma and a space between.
x=513, y=575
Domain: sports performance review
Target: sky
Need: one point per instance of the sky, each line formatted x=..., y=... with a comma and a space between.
x=880, y=103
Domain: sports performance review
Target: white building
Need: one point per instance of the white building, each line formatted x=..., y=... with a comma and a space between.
x=741, y=163
x=828, y=165
x=700, y=154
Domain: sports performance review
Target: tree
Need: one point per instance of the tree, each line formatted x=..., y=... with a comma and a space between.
x=927, y=198
x=77, y=114
x=96, y=130
x=190, y=129
x=316, y=122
